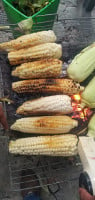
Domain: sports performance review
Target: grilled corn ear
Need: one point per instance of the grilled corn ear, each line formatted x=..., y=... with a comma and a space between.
x=63, y=145
x=45, y=124
x=39, y=69
x=48, y=50
x=47, y=105
x=83, y=64
x=88, y=95
x=54, y=86
x=29, y=40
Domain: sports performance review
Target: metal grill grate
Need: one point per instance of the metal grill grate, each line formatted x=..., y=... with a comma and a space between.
x=44, y=172
x=50, y=173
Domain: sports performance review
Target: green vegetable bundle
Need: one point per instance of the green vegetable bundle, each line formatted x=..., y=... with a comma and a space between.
x=30, y=7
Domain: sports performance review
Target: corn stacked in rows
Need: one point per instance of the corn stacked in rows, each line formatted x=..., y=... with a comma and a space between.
x=39, y=57
x=80, y=68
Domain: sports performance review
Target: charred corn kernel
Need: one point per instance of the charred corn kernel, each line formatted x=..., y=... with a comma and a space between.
x=88, y=95
x=45, y=124
x=29, y=40
x=42, y=51
x=39, y=69
x=63, y=145
x=47, y=105
x=91, y=127
x=53, y=86
x=83, y=64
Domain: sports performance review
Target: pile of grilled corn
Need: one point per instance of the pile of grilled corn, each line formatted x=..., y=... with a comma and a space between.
x=37, y=60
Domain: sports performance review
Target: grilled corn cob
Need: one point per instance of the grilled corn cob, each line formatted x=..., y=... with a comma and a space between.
x=29, y=40
x=63, y=145
x=88, y=95
x=47, y=105
x=83, y=64
x=48, y=50
x=54, y=86
x=39, y=69
x=45, y=124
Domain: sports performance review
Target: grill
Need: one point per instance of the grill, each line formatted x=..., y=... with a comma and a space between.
x=50, y=174
x=53, y=175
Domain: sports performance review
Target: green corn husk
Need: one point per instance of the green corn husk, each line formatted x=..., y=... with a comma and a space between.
x=26, y=25
x=83, y=64
x=88, y=95
x=91, y=127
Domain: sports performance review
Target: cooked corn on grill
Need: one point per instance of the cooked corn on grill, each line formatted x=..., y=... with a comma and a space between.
x=48, y=50
x=54, y=86
x=45, y=124
x=29, y=40
x=57, y=104
x=64, y=145
x=39, y=69
x=39, y=57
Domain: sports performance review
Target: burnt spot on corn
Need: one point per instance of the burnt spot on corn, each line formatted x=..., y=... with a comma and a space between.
x=45, y=122
x=50, y=81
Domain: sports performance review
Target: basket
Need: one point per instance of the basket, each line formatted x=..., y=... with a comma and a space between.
x=15, y=16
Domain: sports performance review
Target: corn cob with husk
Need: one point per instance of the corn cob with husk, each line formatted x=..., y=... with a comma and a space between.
x=83, y=64
x=88, y=95
x=91, y=127
x=63, y=145
x=42, y=51
x=29, y=40
x=45, y=124
x=54, y=86
x=57, y=104
x=39, y=69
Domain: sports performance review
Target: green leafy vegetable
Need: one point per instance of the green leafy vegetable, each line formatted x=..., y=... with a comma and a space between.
x=30, y=7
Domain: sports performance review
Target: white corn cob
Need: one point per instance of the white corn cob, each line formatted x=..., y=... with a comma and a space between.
x=47, y=86
x=47, y=50
x=29, y=40
x=45, y=124
x=44, y=68
x=60, y=104
x=63, y=145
